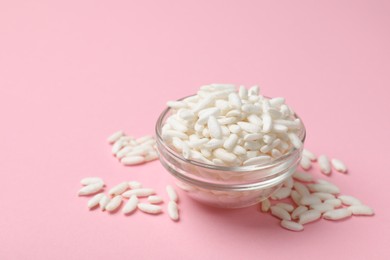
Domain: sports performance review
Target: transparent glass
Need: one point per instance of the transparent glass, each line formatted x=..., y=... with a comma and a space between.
x=222, y=186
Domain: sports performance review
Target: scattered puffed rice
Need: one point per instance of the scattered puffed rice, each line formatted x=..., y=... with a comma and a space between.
x=286, y=206
x=298, y=211
x=153, y=199
x=282, y=193
x=265, y=205
x=296, y=197
x=334, y=202
x=337, y=214
x=115, y=136
x=119, y=192
x=301, y=189
x=91, y=180
x=133, y=160
x=305, y=163
x=119, y=189
x=91, y=189
x=172, y=193
x=302, y=176
x=349, y=200
x=309, y=216
x=103, y=202
x=324, y=164
x=309, y=154
x=280, y=213
x=173, y=210
x=319, y=195
x=132, y=151
x=289, y=183
x=114, y=203
x=361, y=210
x=339, y=166
x=130, y=205
x=149, y=208
x=95, y=200
x=291, y=225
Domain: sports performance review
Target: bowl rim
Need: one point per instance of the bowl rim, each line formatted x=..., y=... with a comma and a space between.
x=248, y=168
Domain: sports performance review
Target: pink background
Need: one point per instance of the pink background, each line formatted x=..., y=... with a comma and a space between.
x=72, y=72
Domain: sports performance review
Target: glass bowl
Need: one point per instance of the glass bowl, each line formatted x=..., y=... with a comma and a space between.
x=223, y=186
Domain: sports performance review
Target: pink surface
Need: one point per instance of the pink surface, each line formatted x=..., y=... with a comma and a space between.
x=72, y=72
